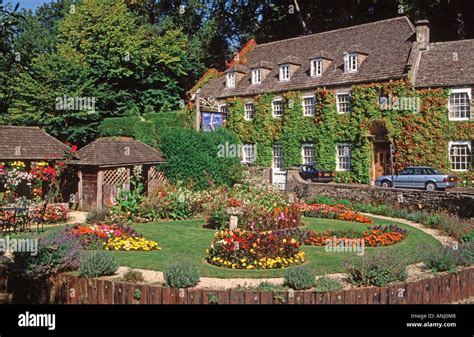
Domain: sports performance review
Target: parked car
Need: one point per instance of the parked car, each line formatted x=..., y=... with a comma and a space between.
x=316, y=174
x=424, y=177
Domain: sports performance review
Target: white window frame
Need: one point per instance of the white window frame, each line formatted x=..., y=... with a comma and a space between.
x=304, y=156
x=317, y=67
x=256, y=76
x=339, y=163
x=467, y=91
x=313, y=105
x=247, y=111
x=247, y=159
x=285, y=72
x=277, y=158
x=282, y=107
x=469, y=157
x=339, y=94
x=223, y=109
x=351, y=63
x=230, y=80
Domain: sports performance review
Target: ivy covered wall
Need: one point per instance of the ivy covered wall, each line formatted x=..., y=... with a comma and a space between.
x=420, y=138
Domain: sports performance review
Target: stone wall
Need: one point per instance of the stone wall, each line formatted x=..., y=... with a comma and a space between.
x=458, y=203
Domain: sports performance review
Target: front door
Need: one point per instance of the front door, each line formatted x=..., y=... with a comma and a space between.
x=382, y=159
x=279, y=175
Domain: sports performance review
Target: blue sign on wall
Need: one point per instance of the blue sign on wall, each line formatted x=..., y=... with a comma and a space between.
x=211, y=121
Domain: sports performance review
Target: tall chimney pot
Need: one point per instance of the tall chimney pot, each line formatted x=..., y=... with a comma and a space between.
x=422, y=34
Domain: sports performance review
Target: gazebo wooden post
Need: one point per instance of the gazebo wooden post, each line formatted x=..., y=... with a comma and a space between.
x=79, y=188
x=100, y=182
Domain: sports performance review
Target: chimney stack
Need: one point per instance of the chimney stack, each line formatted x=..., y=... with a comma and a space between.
x=422, y=34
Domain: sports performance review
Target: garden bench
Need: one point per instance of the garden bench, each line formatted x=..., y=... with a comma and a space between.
x=23, y=218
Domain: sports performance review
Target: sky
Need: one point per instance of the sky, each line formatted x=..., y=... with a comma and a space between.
x=29, y=4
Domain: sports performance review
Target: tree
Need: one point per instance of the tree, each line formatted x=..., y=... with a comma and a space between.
x=104, y=54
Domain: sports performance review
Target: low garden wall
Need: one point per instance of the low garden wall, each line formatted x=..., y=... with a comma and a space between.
x=70, y=289
x=458, y=203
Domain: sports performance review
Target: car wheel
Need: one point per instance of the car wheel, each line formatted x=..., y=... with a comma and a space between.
x=430, y=186
x=386, y=183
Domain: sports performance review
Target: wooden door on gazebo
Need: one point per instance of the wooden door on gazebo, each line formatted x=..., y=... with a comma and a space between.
x=115, y=181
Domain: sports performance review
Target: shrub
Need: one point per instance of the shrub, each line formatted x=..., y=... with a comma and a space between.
x=98, y=216
x=181, y=274
x=445, y=258
x=193, y=157
x=57, y=253
x=466, y=254
x=218, y=219
x=167, y=120
x=320, y=199
x=145, y=132
x=299, y=277
x=267, y=287
x=133, y=276
x=97, y=263
x=324, y=284
x=377, y=269
x=117, y=126
x=169, y=202
x=263, y=287
x=28, y=275
x=469, y=237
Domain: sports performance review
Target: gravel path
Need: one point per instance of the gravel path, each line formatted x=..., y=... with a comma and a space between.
x=75, y=217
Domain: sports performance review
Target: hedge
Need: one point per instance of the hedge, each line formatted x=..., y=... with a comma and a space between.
x=193, y=157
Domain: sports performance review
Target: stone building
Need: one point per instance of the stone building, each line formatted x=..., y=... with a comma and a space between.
x=338, y=61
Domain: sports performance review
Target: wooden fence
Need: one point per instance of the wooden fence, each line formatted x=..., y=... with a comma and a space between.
x=69, y=289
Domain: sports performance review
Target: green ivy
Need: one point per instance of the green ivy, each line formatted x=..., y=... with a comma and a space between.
x=420, y=138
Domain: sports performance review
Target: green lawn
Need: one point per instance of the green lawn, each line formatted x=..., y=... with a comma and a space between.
x=189, y=240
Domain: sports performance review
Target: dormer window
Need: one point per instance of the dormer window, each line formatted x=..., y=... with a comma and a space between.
x=230, y=80
x=351, y=63
x=285, y=72
x=317, y=67
x=256, y=76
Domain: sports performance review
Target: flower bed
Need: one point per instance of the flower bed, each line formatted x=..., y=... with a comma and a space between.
x=376, y=236
x=258, y=219
x=54, y=214
x=240, y=249
x=111, y=237
x=339, y=212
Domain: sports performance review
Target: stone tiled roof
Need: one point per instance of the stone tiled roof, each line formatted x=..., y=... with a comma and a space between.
x=29, y=143
x=291, y=60
x=387, y=43
x=446, y=64
x=118, y=151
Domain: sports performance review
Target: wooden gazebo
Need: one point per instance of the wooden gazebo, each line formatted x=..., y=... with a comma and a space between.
x=106, y=165
x=30, y=145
